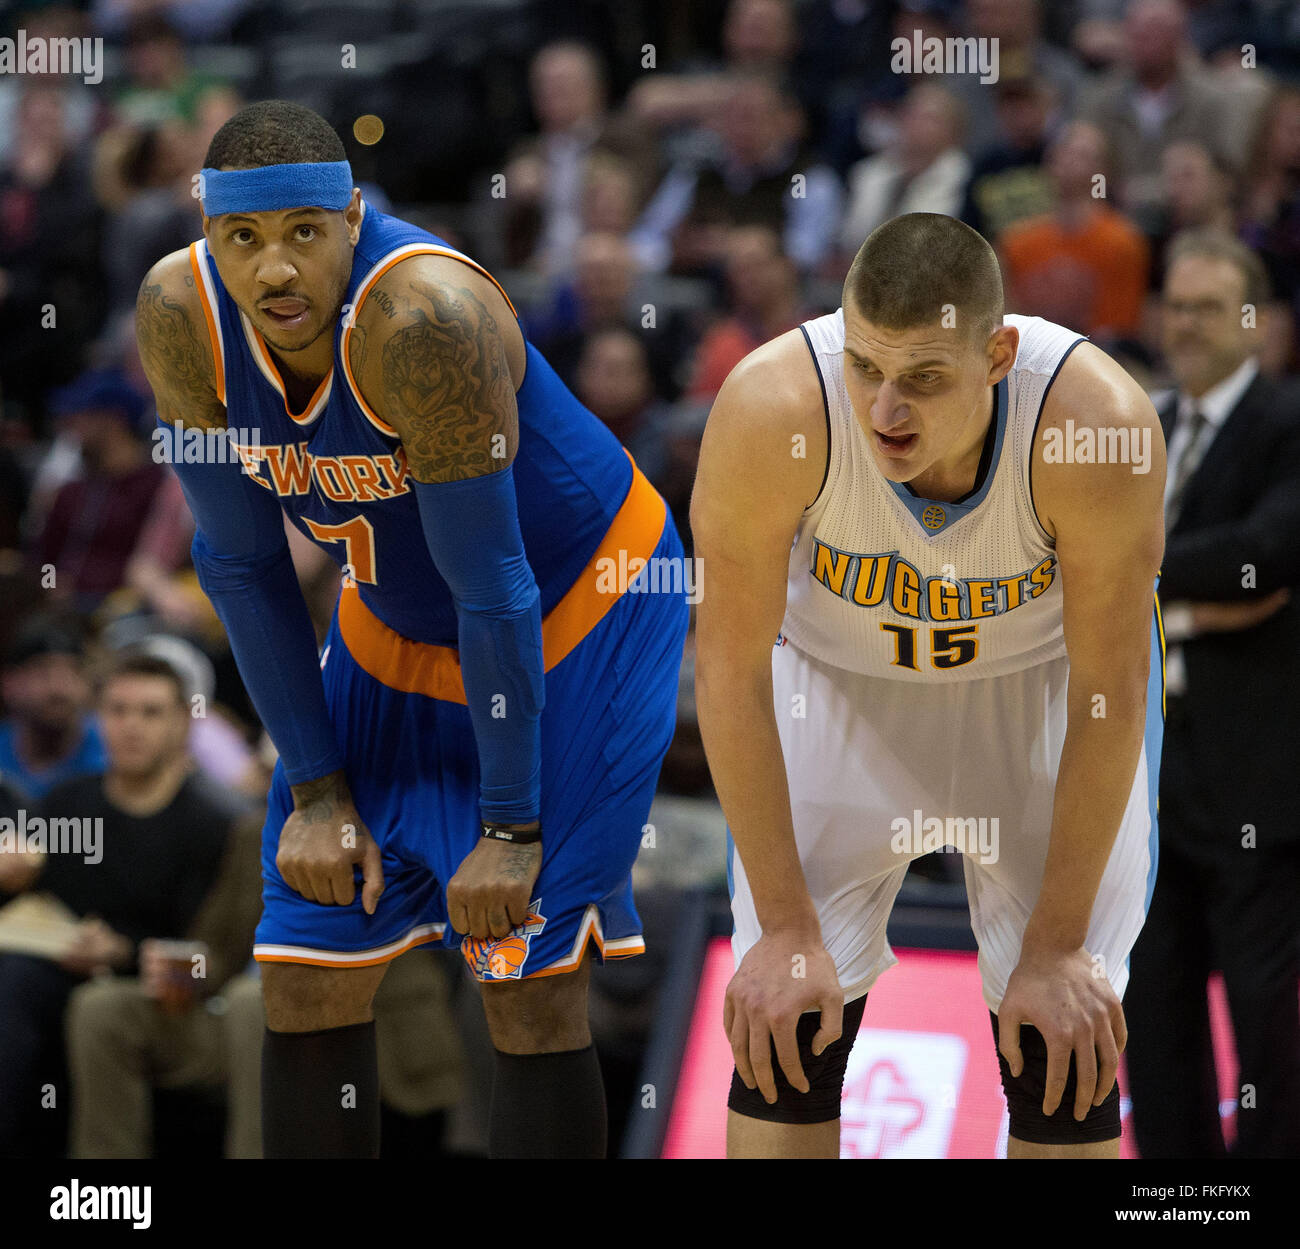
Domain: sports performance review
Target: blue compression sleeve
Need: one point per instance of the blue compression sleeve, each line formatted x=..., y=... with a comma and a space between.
x=472, y=529
x=243, y=563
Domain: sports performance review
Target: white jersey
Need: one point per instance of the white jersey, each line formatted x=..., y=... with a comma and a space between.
x=888, y=584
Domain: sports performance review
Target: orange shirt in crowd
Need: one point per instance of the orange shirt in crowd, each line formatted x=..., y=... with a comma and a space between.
x=1092, y=279
x=720, y=350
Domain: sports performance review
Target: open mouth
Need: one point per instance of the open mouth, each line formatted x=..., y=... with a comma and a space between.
x=286, y=313
x=897, y=444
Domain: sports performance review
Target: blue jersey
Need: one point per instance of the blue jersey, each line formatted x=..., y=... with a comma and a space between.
x=339, y=470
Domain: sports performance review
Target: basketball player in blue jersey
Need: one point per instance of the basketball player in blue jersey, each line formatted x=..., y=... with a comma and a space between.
x=952, y=526
x=472, y=758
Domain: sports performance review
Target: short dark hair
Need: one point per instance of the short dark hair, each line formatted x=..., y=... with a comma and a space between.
x=1208, y=243
x=46, y=634
x=139, y=663
x=913, y=265
x=273, y=132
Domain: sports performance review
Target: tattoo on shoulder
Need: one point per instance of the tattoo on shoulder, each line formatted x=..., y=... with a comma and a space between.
x=175, y=357
x=446, y=385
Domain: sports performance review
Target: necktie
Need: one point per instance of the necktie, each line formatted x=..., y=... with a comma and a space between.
x=1186, y=466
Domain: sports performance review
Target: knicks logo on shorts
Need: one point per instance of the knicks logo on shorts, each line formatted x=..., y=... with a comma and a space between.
x=503, y=958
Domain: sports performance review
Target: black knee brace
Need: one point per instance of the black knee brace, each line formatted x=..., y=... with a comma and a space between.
x=1025, y=1099
x=825, y=1075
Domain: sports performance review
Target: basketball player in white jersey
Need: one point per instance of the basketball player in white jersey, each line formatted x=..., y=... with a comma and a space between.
x=906, y=497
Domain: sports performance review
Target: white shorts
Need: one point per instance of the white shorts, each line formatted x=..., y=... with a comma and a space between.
x=882, y=771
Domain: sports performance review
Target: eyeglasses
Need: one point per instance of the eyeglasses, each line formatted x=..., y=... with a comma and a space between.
x=1201, y=310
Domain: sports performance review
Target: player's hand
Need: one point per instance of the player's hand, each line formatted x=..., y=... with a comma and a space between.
x=783, y=975
x=322, y=841
x=1066, y=996
x=491, y=890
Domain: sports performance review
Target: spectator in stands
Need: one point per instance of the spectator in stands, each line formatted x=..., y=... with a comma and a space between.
x=218, y=744
x=844, y=57
x=163, y=846
x=1229, y=875
x=96, y=519
x=1085, y=265
x=924, y=171
x=51, y=289
x=613, y=381
x=764, y=175
x=1162, y=93
x=145, y=183
x=1008, y=182
x=599, y=295
x=159, y=570
x=162, y=86
x=82, y=103
x=1016, y=25
x=757, y=35
x=605, y=291
x=611, y=195
x=545, y=176
x=763, y=301
x=1197, y=194
x=1270, y=208
x=50, y=735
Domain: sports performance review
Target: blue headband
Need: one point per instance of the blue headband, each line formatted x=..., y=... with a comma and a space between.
x=271, y=188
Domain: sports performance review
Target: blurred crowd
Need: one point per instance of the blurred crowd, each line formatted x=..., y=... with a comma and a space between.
x=661, y=185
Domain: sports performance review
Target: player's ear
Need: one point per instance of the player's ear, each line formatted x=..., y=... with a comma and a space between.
x=352, y=216
x=1003, y=344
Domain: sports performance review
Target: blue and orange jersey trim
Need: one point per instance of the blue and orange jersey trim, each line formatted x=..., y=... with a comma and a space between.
x=208, y=297
x=434, y=671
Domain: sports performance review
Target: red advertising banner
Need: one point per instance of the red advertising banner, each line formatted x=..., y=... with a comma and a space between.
x=922, y=1081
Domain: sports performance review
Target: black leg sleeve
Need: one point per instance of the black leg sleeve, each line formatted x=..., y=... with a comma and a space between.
x=320, y=1093
x=548, y=1106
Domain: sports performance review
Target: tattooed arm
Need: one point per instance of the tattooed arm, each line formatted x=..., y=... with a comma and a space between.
x=432, y=351
x=436, y=352
x=242, y=559
x=174, y=346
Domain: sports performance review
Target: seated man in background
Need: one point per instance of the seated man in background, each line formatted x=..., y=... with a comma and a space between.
x=128, y=1036
x=144, y=844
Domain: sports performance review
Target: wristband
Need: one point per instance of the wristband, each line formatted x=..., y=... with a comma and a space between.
x=519, y=836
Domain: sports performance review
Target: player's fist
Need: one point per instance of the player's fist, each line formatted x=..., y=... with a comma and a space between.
x=490, y=893
x=323, y=840
x=783, y=975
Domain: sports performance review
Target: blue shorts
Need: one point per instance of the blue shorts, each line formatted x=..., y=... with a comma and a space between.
x=412, y=765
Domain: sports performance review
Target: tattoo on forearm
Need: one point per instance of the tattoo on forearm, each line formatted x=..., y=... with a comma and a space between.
x=317, y=800
x=447, y=386
x=520, y=863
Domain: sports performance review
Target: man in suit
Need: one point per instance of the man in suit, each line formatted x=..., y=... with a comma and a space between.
x=1229, y=876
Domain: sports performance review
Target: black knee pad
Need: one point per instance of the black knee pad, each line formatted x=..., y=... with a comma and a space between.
x=1025, y=1099
x=825, y=1075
